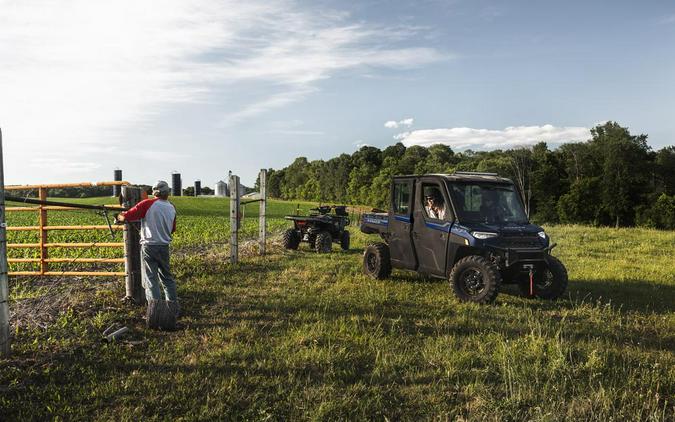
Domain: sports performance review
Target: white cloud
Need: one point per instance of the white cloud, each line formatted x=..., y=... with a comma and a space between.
x=486, y=139
x=393, y=124
x=401, y=136
x=96, y=71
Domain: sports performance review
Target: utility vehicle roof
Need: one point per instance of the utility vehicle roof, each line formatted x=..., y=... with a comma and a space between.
x=462, y=177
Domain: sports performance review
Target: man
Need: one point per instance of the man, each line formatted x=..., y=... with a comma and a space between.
x=435, y=205
x=158, y=223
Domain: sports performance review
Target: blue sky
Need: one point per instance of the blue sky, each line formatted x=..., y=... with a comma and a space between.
x=209, y=86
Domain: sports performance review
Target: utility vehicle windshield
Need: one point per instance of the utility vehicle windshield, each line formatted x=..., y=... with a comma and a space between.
x=487, y=203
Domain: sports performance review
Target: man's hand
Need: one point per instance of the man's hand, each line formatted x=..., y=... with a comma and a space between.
x=120, y=219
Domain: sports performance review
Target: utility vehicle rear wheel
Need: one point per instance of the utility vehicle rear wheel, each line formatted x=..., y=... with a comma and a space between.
x=311, y=239
x=550, y=285
x=475, y=279
x=291, y=239
x=377, y=261
x=344, y=241
x=323, y=242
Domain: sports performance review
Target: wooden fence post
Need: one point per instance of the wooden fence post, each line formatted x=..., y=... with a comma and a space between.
x=4, y=278
x=262, y=223
x=234, y=218
x=132, y=250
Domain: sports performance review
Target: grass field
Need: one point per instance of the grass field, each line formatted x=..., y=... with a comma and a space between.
x=295, y=335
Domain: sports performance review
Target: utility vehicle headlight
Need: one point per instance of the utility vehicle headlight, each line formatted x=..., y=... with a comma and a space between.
x=542, y=235
x=483, y=235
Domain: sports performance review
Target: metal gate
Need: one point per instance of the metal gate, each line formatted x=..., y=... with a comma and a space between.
x=43, y=229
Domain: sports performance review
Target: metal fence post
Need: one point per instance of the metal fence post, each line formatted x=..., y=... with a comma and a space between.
x=234, y=218
x=132, y=250
x=44, y=254
x=4, y=278
x=262, y=223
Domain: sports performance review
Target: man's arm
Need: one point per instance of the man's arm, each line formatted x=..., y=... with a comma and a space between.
x=138, y=211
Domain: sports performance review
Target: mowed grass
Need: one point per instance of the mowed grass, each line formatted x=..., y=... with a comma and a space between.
x=295, y=335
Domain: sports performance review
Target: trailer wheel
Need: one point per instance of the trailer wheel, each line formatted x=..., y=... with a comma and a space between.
x=377, y=261
x=344, y=241
x=475, y=279
x=551, y=285
x=291, y=239
x=323, y=242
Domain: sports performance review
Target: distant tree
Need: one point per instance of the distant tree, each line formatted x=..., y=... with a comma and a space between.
x=579, y=160
x=665, y=170
x=548, y=183
x=413, y=160
x=580, y=204
x=440, y=159
x=660, y=214
x=207, y=190
x=522, y=166
x=395, y=151
x=274, y=182
x=624, y=170
x=614, y=178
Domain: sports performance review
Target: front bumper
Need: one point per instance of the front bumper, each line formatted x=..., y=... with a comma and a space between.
x=512, y=256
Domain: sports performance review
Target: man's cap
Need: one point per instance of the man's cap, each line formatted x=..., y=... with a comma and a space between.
x=161, y=188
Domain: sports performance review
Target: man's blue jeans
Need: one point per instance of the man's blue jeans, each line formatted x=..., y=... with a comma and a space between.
x=155, y=271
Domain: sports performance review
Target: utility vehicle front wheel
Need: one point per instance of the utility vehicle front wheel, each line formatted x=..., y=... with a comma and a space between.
x=475, y=279
x=344, y=241
x=291, y=239
x=550, y=285
x=377, y=261
x=323, y=242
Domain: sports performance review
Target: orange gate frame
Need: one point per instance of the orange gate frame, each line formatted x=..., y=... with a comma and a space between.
x=43, y=229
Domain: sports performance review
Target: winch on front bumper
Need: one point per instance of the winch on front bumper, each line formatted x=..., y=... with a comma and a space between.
x=508, y=257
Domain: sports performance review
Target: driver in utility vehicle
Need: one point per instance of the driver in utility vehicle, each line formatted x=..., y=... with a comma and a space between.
x=434, y=204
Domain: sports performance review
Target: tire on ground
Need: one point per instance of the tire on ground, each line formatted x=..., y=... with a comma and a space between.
x=323, y=243
x=344, y=241
x=291, y=239
x=553, y=286
x=377, y=261
x=475, y=279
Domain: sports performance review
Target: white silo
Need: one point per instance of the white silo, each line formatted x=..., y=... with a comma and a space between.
x=221, y=188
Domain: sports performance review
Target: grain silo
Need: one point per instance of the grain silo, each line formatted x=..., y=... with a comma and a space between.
x=221, y=188
x=176, y=185
x=198, y=187
x=117, y=176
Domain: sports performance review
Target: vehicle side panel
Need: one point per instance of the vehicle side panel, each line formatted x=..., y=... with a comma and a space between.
x=430, y=235
x=375, y=223
x=401, y=246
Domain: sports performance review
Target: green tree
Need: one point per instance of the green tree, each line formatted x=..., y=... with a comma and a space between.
x=580, y=204
x=624, y=170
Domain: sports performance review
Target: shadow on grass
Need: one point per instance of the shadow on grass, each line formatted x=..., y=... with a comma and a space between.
x=633, y=295
x=626, y=296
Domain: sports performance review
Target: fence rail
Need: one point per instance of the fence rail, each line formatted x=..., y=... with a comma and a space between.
x=43, y=229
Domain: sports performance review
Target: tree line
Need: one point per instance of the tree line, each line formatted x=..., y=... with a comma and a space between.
x=614, y=178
